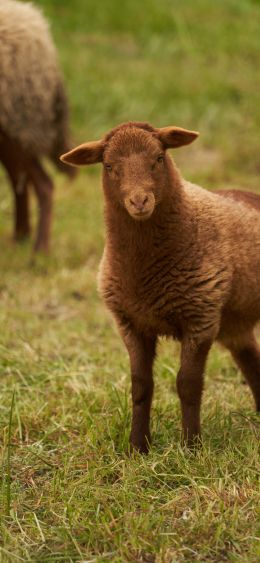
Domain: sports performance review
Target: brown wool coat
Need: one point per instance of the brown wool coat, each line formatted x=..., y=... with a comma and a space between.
x=187, y=272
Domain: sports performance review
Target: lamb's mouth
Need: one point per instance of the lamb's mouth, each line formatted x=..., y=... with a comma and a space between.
x=142, y=215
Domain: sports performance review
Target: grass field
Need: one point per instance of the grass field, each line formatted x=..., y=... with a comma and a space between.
x=69, y=490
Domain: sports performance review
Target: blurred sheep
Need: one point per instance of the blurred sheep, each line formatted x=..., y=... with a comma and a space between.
x=33, y=113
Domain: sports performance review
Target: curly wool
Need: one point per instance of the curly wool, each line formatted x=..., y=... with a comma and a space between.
x=33, y=108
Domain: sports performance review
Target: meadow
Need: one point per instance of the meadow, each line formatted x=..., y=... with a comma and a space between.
x=69, y=490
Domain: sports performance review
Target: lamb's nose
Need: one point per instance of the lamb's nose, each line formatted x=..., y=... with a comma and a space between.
x=139, y=203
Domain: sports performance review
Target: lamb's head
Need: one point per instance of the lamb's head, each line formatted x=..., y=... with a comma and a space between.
x=135, y=164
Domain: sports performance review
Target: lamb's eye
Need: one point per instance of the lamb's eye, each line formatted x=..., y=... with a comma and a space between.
x=108, y=167
x=160, y=158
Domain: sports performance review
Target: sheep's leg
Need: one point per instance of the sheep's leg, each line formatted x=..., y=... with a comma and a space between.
x=190, y=386
x=16, y=169
x=247, y=357
x=44, y=192
x=21, y=200
x=142, y=352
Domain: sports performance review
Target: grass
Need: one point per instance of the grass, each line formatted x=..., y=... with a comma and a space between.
x=191, y=66
x=69, y=490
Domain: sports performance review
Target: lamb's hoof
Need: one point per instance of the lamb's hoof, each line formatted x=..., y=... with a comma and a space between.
x=192, y=442
x=140, y=446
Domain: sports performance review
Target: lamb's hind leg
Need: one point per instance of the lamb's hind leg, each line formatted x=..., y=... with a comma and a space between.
x=247, y=357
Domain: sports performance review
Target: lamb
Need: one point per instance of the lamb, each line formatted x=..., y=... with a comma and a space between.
x=179, y=261
x=34, y=113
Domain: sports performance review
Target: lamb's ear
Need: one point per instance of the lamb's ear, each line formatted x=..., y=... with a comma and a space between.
x=88, y=153
x=173, y=137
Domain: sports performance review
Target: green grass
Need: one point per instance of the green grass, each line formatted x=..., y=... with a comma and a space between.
x=193, y=66
x=69, y=490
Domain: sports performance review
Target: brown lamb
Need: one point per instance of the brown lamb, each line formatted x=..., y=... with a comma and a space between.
x=179, y=261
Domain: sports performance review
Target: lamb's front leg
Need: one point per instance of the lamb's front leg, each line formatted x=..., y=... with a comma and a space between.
x=141, y=351
x=190, y=386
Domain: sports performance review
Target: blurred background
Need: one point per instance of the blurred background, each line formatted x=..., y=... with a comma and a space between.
x=192, y=64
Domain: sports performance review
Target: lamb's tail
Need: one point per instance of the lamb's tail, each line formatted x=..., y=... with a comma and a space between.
x=62, y=141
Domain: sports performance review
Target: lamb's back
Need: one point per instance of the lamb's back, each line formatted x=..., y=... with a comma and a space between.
x=231, y=228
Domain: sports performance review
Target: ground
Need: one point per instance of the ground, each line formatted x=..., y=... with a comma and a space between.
x=70, y=492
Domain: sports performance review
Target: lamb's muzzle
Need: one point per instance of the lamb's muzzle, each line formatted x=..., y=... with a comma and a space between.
x=140, y=204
